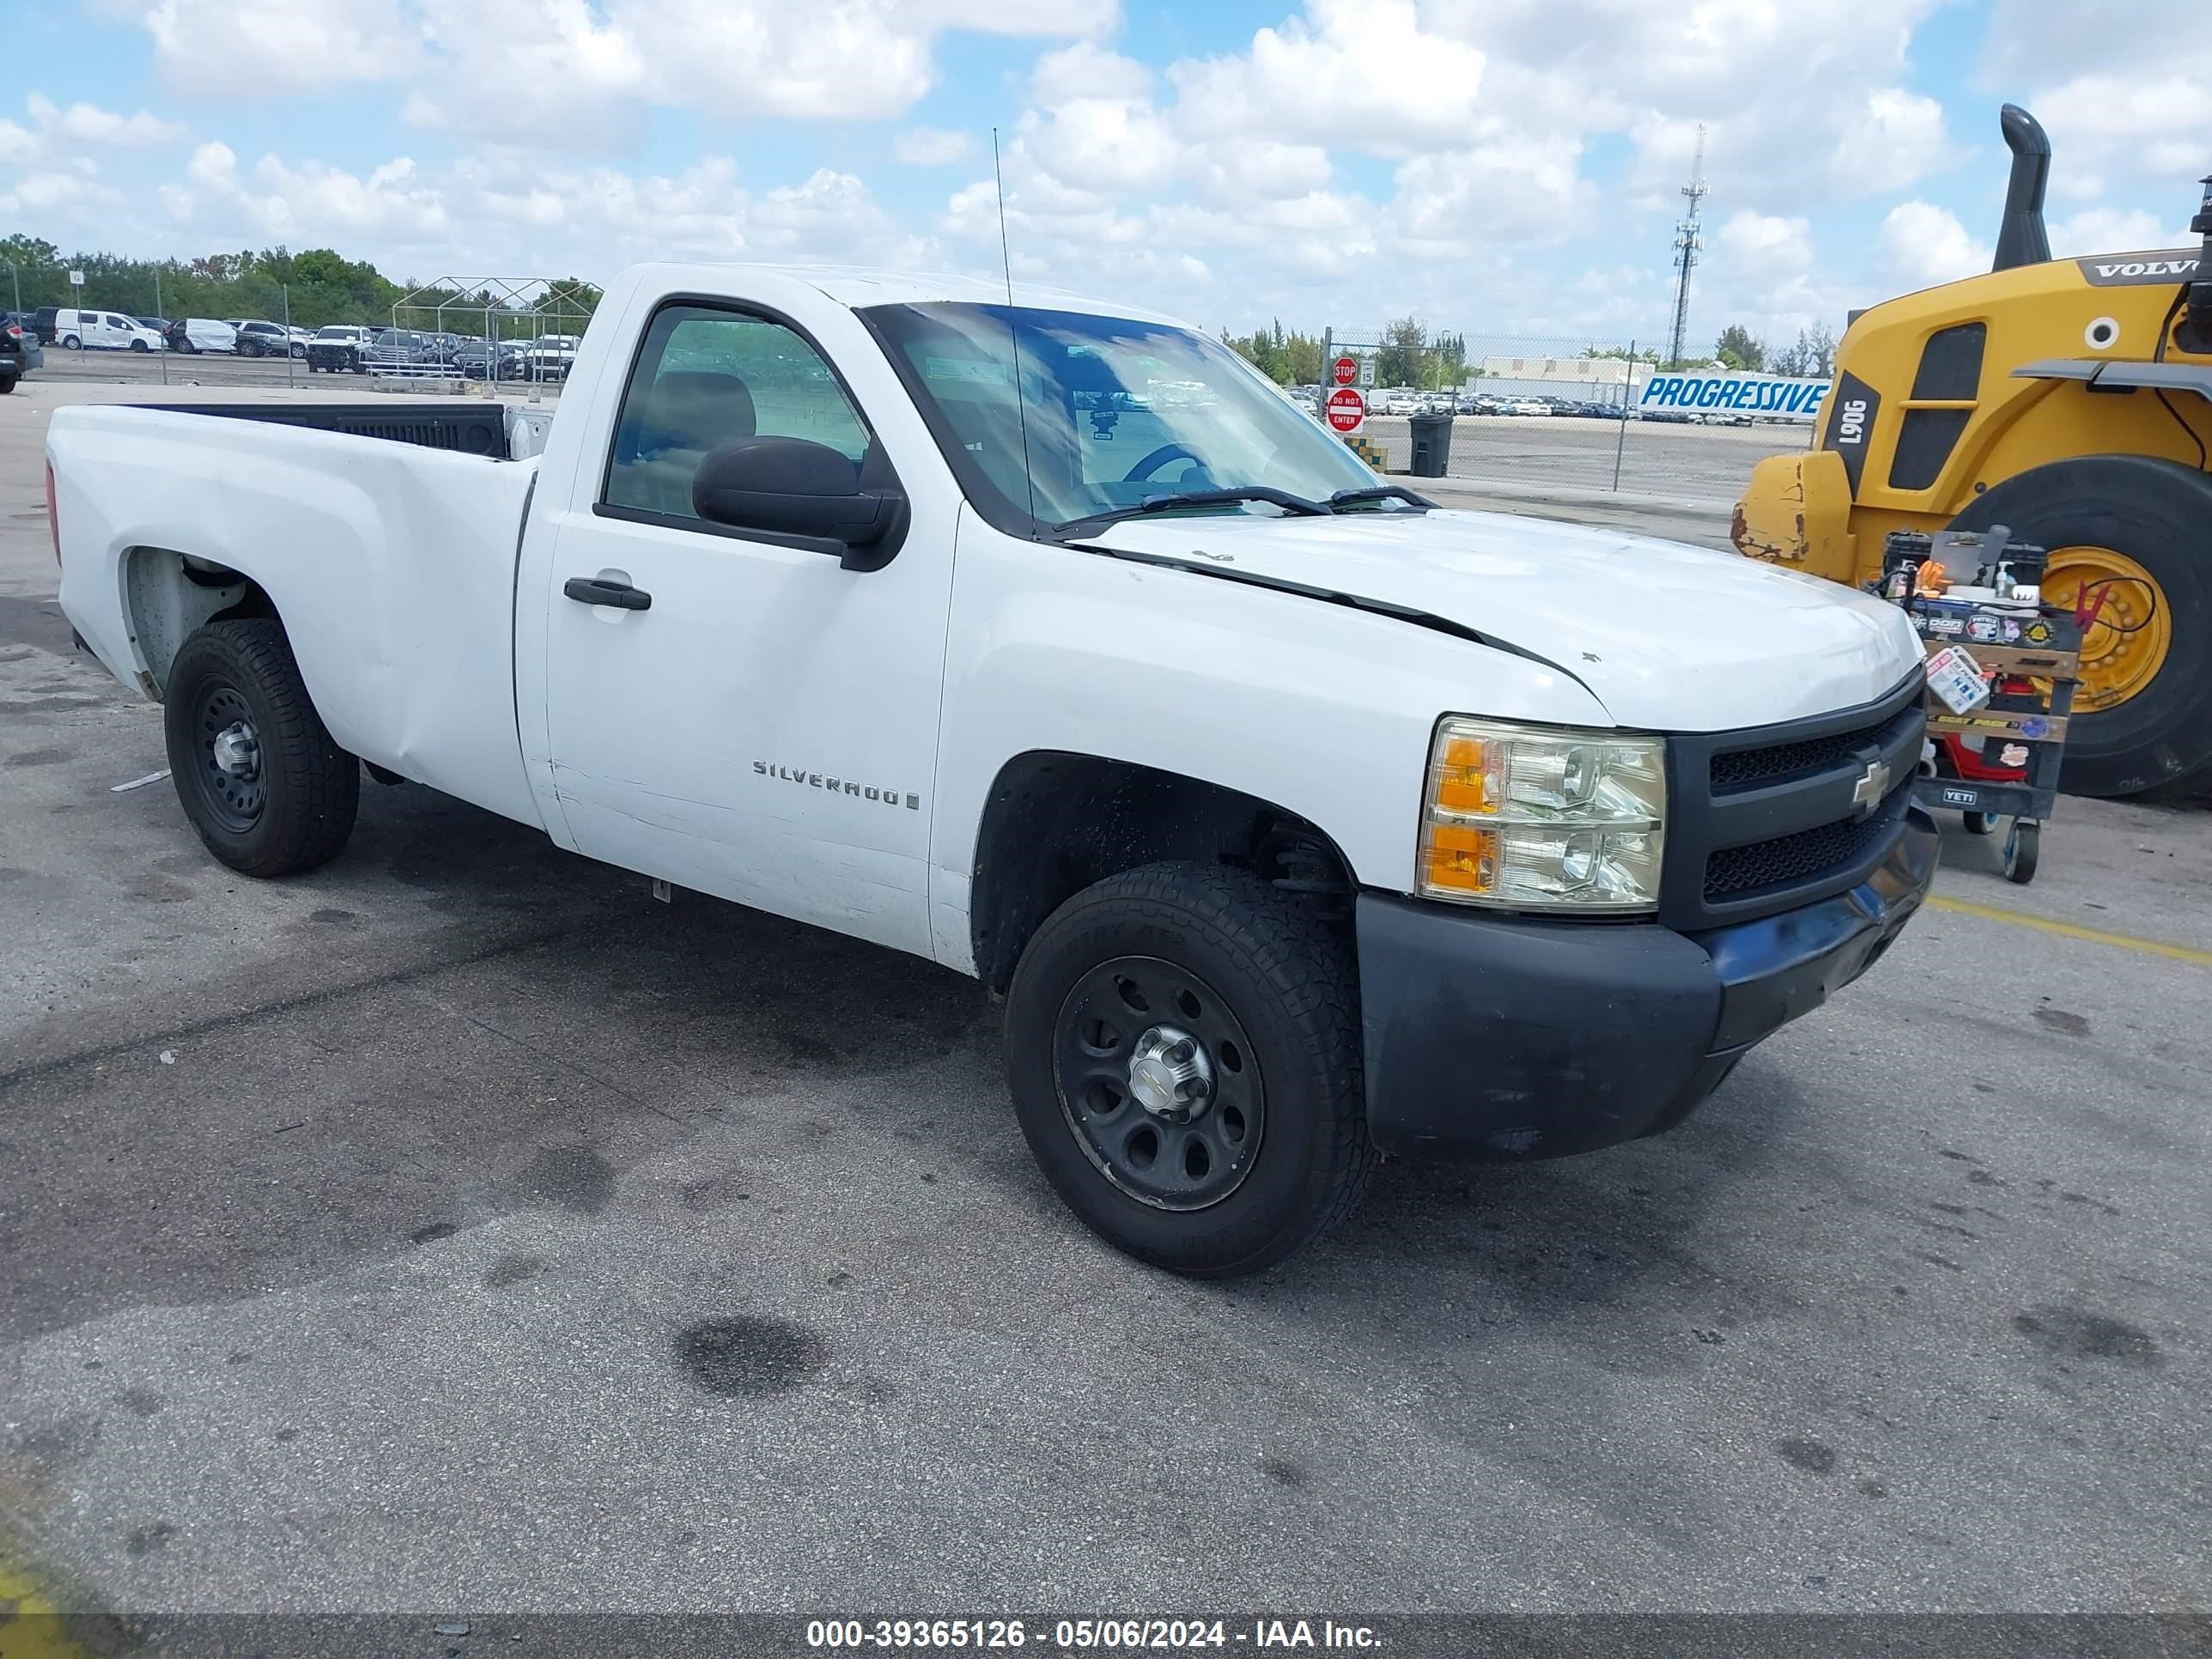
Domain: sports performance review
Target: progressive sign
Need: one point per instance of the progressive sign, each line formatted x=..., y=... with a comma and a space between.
x=1774, y=396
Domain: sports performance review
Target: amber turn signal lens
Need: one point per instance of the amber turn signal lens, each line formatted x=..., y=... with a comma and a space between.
x=1462, y=858
x=1461, y=783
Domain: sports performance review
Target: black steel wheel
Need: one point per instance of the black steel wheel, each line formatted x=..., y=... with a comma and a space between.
x=228, y=777
x=1182, y=1044
x=253, y=766
x=1159, y=1083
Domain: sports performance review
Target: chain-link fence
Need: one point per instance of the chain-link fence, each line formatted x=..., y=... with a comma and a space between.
x=1575, y=412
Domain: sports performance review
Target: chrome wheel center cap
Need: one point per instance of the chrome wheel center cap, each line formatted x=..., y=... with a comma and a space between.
x=237, y=749
x=1171, y=1074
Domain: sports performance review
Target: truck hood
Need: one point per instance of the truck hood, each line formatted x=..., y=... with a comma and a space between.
x=1668, y=637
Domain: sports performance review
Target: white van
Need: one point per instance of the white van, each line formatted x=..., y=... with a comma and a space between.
x=110, y=331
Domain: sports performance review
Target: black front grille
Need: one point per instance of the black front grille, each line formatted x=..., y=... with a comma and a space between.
x=1746, y=768
x=1764, y=819
x=1733, y=871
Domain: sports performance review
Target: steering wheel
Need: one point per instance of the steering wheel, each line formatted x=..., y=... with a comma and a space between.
x=1159, y=457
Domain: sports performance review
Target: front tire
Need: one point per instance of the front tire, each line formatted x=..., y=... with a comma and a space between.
x=138, y=345
x=1143, y=988
x=253, y=765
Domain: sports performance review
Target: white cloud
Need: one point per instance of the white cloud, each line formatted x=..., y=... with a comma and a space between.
x=497, y=214
x=1366, y=73
x=932, y=147
x=1766, y=241
x=1921, y=245
x=223, y=48
x=2114, y=230
x=88, y=123
x=551, y=74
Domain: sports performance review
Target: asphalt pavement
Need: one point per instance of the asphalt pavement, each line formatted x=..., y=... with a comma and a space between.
x=456, y=1228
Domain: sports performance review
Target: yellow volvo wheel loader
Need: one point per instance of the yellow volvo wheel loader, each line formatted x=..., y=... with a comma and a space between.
x=2068, y=399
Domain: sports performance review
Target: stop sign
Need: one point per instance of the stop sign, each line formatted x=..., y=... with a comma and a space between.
x=1347, y=410
x=1346, y=370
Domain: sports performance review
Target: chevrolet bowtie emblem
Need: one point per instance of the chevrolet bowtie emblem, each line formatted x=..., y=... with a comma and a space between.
x=1873, y=785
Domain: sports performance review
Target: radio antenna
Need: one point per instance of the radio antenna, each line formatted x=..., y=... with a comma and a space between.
x=1005, y=253
x=1013, y=333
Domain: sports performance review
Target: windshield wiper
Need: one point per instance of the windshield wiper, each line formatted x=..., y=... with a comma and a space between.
x=1297, y=506
x=1345, y=498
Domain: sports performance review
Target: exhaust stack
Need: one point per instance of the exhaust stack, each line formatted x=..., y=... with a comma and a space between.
x=2021, y=240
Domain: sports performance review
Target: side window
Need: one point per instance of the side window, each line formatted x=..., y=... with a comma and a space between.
x=705, y=376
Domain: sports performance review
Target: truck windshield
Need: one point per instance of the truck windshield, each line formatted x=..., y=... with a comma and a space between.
x=1111, y=413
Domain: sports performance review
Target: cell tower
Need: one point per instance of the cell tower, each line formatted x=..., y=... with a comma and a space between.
x=1688, y=241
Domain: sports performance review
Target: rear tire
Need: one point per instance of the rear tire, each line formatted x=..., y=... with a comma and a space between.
x=1212, y=955
x=295, y=807
x=7, y=383
x=2155, y=512
x=70, y=343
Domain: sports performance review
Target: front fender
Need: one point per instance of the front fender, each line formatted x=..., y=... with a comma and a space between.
x=1321, y=710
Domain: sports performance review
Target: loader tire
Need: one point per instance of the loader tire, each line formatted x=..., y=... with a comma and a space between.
x=2143, y=715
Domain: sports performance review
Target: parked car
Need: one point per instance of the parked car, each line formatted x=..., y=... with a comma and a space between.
x=159, y=325
x=1496, y=900
x=549, y=357
x=390, y=348
x=43, y=322
x=20, y=351
x=337, y=350
x=197, y=334
x=257, y=337
x=104, y=331
x=479, y=362
x=1529, y=406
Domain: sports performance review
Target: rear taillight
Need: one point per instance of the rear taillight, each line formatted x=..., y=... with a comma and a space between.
x=14, y=331
x=53, y=518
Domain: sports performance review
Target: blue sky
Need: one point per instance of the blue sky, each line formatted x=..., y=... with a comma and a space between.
x=1502, y=167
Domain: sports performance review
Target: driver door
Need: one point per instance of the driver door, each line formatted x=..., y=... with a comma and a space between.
x=766, y=729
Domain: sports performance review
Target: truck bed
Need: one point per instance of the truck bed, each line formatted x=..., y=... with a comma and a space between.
x=387, y=547
x=464, y=426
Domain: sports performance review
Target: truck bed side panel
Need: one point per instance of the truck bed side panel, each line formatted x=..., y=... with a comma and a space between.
x=391, y=566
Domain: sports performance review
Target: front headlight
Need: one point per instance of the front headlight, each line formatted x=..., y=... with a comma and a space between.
x=1528, y=818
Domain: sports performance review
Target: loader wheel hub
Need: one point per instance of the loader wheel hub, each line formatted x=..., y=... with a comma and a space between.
x=2124, y=649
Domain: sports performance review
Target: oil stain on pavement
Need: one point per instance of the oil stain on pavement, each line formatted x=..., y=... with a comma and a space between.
x=751, y=1355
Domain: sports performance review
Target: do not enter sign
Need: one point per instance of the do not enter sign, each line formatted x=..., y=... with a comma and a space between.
x=1347, y=409
x=1346, y=370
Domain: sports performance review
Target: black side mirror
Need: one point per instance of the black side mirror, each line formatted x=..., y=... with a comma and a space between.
x=797, y=488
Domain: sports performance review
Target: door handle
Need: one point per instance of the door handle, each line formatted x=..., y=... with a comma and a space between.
x=597, y=590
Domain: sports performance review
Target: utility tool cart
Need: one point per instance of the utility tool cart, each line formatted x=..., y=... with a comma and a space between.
x=2001, y=670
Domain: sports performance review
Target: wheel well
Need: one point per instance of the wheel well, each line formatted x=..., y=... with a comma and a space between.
x=1055, y=823
x=171, y=595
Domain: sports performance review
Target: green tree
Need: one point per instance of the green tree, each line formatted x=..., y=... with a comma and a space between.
x=1404, y=343
x=1812, y=355
x=1739, y=348
x=1301, y=359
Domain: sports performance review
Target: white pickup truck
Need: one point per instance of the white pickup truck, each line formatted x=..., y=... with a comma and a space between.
x=1296, y=817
